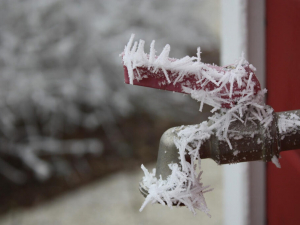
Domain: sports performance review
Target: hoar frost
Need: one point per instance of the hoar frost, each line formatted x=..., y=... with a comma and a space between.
x=183, y=186
x=288, y=123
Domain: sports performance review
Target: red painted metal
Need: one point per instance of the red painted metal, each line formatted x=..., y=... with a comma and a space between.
x=158, y=80
x=283, y=79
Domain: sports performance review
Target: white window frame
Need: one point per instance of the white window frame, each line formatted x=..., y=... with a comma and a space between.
x=243, y=30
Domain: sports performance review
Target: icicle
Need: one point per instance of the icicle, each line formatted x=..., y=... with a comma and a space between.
x=152, y=54
x=129, y=44
x=164, y=55
x=249, y=80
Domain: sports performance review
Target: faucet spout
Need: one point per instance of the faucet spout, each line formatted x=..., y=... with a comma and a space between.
x=255, y=143
x=167, y=153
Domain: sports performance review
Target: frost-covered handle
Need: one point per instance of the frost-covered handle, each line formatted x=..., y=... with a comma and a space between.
x=158, y=80
x=221, y=87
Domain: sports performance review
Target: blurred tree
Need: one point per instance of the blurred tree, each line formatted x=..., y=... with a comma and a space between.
x=61, y=74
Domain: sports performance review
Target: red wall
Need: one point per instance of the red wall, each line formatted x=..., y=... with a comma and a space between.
x=283, y=84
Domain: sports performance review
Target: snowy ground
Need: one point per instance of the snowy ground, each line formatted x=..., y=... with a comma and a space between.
x=116, y=200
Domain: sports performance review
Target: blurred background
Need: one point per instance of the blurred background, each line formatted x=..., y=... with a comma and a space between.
x=72, y=134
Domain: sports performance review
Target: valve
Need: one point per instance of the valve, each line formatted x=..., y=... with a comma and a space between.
x=241, y=129
x=255, y=144
x=186, y=77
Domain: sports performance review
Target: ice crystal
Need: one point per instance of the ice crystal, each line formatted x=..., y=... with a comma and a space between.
x=288, y=123
x=276, y=161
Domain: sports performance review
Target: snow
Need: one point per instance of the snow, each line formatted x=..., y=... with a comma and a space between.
x=177, y=188
x=235, y=153
x=259, y=141
x=276, y=161
x=183, y=185
x=288, y=123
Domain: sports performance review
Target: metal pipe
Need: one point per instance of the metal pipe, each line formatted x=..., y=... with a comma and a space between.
x=290, y=141
x=262, y=145
x=167, y=153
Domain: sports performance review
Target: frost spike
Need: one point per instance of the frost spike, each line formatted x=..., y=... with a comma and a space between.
x=164, y=55
x=198, y=55
x=152, y=54
x=129, y=44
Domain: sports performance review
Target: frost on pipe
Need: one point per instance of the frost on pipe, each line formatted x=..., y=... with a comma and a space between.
x=288, y=128
x=234, y=93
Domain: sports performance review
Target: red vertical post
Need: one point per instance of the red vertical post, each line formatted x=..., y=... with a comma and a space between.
x=283, y=84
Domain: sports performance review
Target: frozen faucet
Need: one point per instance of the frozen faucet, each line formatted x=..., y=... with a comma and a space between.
x=242, y=128
x=259, y=147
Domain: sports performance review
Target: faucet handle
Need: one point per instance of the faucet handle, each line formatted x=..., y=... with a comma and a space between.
x=147, y=77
